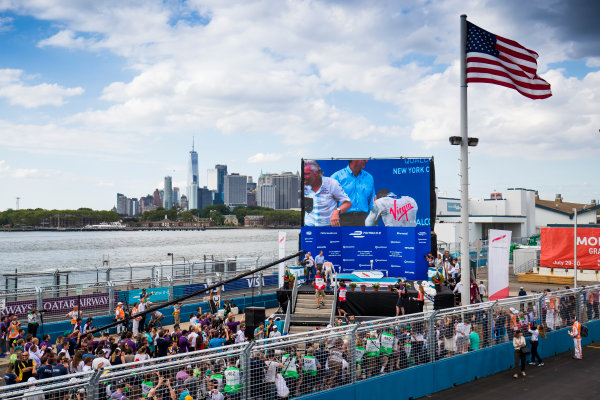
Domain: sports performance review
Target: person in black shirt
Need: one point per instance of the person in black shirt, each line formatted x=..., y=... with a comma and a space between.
x=45, y=370
x=61, y=369
x=24, y=367
x=162, y=344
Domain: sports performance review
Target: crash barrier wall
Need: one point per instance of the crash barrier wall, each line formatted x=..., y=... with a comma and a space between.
x=406, y=354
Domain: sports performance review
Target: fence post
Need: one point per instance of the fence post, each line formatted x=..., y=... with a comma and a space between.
x=260, y=283
x=579, y=299
x=431, y=342
x=93, y=382
x=40, y=300
x=170, y=279
x=245, y=363
x=490, y=325
x=352, y=354
x=192, y=273
x=111, y=298
x=540, y=306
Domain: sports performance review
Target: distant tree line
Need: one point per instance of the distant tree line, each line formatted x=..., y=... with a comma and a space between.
x=217, y=215
x=40, y=218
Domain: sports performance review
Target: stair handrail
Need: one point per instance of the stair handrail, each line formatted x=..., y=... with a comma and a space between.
x=286, y=323
x=294, y=295
x=333, y=303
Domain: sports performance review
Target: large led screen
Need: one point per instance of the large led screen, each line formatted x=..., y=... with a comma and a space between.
x=369, y=214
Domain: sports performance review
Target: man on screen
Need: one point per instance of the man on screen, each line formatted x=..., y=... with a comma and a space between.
x=392, y=210
x=322, y=196
x=359, y=185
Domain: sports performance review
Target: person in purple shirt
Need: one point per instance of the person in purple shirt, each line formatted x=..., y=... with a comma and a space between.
x=184, y=343
x=232, y=324
x=130, y=342
x=46, y=342
x=3, y=329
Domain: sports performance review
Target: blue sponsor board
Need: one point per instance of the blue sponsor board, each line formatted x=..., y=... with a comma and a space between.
x=400, y=251
x=156, y=294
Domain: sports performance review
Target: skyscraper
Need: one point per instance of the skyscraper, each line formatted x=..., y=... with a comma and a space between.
x=157, y=199
x=176, y=196
x=168, y=201
x=192, y=180
x=221, y=173
x=235, y=193
x=287, y=185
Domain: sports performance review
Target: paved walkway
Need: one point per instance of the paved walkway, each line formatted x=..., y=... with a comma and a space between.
x=560, y=378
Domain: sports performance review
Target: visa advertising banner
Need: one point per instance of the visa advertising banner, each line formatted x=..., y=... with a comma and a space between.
x=360, y=212
x=557, y=248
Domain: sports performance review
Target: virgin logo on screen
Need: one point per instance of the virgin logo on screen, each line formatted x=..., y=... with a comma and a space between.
x=400, y=212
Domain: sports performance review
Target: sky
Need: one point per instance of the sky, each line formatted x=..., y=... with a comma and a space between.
x=100, y=97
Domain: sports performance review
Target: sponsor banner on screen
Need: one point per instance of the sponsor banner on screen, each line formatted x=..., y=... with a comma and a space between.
x=558, y=252
x=399, y=251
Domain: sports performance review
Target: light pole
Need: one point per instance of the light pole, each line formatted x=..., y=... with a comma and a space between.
x=465, y=269
x=575, y=247
x=172, y=264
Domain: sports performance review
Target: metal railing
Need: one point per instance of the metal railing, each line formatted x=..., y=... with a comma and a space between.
x=304, y=363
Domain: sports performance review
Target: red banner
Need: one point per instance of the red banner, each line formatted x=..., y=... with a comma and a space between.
x=557, y=248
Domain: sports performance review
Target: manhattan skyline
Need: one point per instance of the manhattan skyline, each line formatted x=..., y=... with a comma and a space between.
x=100, y=98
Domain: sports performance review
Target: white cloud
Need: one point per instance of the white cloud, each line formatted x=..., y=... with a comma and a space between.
x=104, y=183
x=263, y=158
x=5, y=24
x=66, y=38
x=13, y=89
x=25, y=173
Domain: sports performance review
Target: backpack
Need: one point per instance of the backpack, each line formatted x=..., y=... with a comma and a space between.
x=584, y=331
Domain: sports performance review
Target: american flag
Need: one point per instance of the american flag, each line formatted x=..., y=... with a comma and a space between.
x=494, y=59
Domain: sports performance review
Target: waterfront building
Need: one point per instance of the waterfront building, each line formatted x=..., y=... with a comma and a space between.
x=265, y=196
x=168, y=193
x=157, y=198
x=205, y=197
x=234, y=192
x=121, y=204
x=192, y=179
x=176, y=195
x=221, y=174
x=183, y=202
x=287, y=187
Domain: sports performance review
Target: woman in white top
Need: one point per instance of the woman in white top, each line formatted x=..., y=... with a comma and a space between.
x=518, y=344
x=535, y=335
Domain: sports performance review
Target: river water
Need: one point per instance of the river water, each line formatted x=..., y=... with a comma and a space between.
x=48, y=251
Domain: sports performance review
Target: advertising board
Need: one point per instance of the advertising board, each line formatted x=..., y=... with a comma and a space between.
x=557, y=248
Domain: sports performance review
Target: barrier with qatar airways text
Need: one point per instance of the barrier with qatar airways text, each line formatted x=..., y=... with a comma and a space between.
x=558, y=252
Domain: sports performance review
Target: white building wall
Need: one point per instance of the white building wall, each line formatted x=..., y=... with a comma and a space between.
x=545, y=217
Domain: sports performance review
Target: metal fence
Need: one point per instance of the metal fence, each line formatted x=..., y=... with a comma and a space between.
x=305, y=363
x=152, y=274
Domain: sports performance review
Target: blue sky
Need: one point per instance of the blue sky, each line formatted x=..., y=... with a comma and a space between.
x=104, y=97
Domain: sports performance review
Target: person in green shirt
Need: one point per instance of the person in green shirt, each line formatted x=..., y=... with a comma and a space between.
x=310, y=370
x=474, y=338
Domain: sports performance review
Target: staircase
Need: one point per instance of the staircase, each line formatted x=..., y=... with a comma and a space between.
x=307, y=316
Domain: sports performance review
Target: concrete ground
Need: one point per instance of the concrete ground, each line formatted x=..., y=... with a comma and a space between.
x=560, y=378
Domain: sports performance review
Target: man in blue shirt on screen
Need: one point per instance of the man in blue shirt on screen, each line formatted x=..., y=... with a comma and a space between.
x=322, y=196
x=359, y=185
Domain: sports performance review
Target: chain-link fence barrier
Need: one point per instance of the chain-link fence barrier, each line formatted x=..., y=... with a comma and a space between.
x=301, y=364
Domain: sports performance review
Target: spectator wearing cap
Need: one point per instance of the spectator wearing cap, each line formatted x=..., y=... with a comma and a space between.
x=120, y=317
x=275, y=332
x=100, y=361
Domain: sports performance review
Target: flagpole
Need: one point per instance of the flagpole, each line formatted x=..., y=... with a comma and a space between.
x=464, y=168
